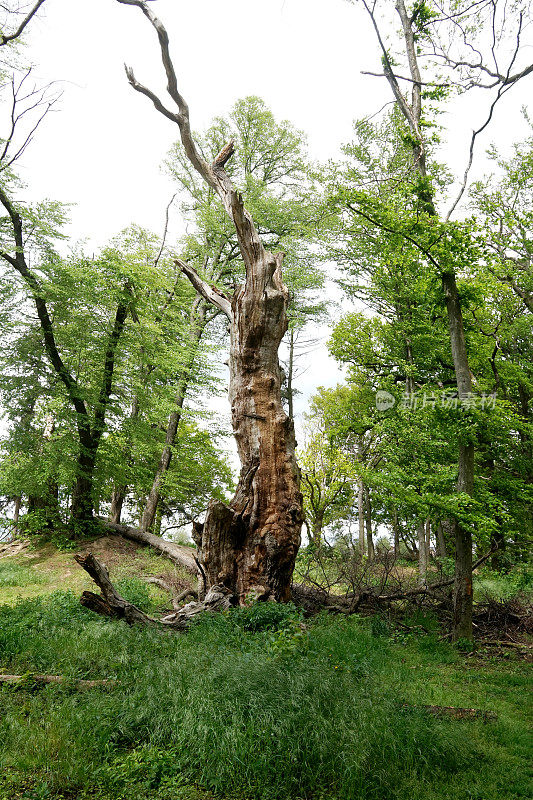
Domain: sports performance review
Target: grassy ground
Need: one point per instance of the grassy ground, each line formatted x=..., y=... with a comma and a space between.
x=251, y=705
x=38, y=571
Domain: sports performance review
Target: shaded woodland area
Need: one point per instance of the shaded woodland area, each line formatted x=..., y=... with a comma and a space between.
x=275, y=611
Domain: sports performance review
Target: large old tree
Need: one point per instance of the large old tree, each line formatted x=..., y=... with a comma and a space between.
x=249, y=546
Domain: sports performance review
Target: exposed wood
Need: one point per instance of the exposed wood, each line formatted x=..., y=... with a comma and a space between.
x=249, y=546
x=110, y=604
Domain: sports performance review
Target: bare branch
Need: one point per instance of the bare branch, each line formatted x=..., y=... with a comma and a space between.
x=165, y=231
x=210, y=293
x=6, y=38
x=36, y=98
x=252, y=250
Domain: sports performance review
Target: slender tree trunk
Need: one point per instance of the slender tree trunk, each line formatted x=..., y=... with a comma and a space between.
x=117, y=501
x=441, y=542
x=150, y=508
x=368, y=514
x=82, y=494
x=361, y=516
x=16, y=515
x=156, y=527
x=412, y=112
x=422, y=553
x=198, y=322
x=317, y=526
x=396, y=532
x=463, y=589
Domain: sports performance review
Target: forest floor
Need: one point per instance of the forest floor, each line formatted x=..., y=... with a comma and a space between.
x=256, y=704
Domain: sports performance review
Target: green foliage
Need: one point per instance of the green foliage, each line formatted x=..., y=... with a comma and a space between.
x=264, y=616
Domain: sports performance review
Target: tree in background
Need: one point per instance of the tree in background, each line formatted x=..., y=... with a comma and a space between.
x=443, y=36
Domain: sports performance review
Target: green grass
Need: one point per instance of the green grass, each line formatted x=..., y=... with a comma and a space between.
x=13, y=573
x=504, y=586
x=41, y=570
x=250, y=704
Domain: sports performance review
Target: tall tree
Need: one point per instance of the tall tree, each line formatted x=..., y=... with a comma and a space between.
x=424, y=26
x=269, y=167
x=249, y=546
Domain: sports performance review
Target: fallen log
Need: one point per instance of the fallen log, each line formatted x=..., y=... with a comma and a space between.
x=34, y=679
x=177, y=553
x=111, y=604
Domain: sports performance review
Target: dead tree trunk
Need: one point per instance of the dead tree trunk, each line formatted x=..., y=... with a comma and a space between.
x=249, y=546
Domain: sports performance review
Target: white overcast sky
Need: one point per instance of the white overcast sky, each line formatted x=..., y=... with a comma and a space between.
x=102, y=147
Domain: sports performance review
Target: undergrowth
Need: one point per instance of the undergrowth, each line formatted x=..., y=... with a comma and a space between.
x=254, y=704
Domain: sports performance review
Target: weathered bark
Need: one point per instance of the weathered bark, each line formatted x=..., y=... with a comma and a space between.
x=290, y=374
x=249, y=546
x=111, y=604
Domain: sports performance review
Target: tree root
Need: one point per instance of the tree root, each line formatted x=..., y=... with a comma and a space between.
x=111, y=604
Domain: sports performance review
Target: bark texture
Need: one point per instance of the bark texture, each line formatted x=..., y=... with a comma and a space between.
x=250, y=546
x=110, y=604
